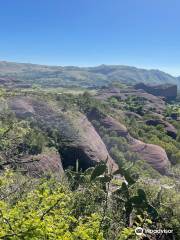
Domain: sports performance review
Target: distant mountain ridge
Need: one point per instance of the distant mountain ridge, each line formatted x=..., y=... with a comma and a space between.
x=54, y=76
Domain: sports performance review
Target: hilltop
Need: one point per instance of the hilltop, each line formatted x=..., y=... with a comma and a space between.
x=26, y=74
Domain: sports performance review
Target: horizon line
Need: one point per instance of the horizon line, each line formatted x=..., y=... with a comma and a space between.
x=91, y=66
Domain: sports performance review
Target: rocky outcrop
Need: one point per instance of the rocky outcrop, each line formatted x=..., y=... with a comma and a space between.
x=151, y=102
x=76, y=134
x=45, y=163
x=132, y=115
x=108, y=122
x=78, y=139
x=153, y=154
x=113, y=125
x=169, y=128
x=87, y=145
x=168, y=91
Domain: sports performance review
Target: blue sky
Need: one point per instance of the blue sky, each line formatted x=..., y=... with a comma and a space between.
x=142, y=33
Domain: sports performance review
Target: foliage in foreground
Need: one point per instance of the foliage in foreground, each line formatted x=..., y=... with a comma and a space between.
x=83, y=205
x=44, y=212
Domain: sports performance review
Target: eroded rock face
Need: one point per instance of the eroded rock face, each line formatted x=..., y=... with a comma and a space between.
x=113, y=125
x=80, y=139
x=43, y=164
x=169, y=91
x=87, y=144
x=150, y=101
x=108, y=122
x=153, y=154
x=170, y=129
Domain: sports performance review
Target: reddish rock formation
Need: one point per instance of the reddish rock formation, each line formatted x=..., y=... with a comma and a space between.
x=43, y=164
x=80, y=139
x=113, y=125
x=153, y=154
x=170, y=129
x=150, y=101
x=169, y=91
x=87, y=146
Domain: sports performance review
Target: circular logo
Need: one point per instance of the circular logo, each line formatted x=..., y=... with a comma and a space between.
x=139, y=231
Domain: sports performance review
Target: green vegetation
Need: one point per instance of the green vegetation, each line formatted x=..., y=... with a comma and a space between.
x=92, y=204
x=89, y=205
x=151, y=134
x=173, y=110
x=134, y=104
x=43, y=212
x=156, y=135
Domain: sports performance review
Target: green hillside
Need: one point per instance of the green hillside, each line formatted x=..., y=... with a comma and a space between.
x=53, y=76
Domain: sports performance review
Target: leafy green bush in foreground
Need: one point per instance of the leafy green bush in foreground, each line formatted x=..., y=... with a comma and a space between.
x=44, y=212
x=83, y=205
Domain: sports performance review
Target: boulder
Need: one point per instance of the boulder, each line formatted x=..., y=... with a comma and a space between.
x=153, y=154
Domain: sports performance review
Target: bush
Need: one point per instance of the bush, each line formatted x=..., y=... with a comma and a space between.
x=45, y=212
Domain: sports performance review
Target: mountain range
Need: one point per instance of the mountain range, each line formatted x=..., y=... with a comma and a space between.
x=20, y=74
